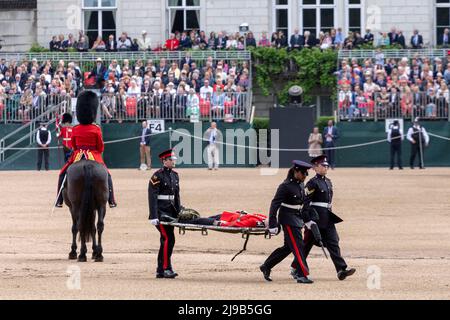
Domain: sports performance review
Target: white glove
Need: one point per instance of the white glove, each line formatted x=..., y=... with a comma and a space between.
x=154, y=222
x=309, y=224
x=273, y=231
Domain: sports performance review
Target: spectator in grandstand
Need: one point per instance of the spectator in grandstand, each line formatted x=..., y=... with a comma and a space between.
x=330, y=135
x=144, y=42
x=384, y=40
x=444, y=39
x=192, y=103
x=206, y=88
x=309, y=40
x=26, y=102
x=282, y=41
x=180, y=103
x=3, y=66
x=69, y=43
x=431, y=99
x=401, y=39
x=60, y=42
x=326, y=42
x=349, y=41
x=394, y=103
x=98, y=72
x=315, y=143
x=393, y=36
x=123, y=43
x=339, y=38
x=368, y=37
x=220, y=42
x=172, y=43
x=297, y=41
x=111, y=44
x=416, y=40
x=231, y=43
x=217, y=102
x=82, y=45
x=43, y=139
x=213, y=136
x=250, y=40
x=99, y=45
x=185, y=41
x=53, y=45
x=264, y=41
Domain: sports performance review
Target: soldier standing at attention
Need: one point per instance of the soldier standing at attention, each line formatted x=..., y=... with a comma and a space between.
x=164, y=200
x=287, y=203
x=319, y=194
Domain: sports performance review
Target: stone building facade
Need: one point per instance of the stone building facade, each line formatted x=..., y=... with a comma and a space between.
x=20, y=27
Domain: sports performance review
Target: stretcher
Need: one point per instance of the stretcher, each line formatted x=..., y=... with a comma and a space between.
x=246, y=232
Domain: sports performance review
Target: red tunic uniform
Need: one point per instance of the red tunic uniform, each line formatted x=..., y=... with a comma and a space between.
x=86, y=140
x=235, y=219
x=66, y=136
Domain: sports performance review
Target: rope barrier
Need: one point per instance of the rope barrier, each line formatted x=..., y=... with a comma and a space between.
x=238, y=145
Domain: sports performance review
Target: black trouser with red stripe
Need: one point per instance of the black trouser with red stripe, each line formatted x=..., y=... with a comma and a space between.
x=165, y=250
x=293, y=243
x=330, y=240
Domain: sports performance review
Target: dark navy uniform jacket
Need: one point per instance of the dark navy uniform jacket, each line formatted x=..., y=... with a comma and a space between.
x=320, y=189
x=164, y=184
x=290, y=192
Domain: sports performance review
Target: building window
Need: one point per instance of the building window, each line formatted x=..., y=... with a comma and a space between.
x=281, y=16
x=317, y=15
x=184, y=15
x=355, y=16
x=442, y=19
x=99, y=19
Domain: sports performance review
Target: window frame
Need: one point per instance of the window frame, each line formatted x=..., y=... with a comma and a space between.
x=99, y=9
x=276, y=7
x=184, y=7
x=362, y=6
x=318, y=8
x=435, y=25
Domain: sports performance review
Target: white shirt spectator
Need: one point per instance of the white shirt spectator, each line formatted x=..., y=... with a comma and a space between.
x=38, y=138
x=204, y=90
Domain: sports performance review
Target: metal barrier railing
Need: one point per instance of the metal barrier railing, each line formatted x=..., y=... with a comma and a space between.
x=230, y=107
x=396, y=54
x=28, y=130
x=381, y=106
x=16, y=108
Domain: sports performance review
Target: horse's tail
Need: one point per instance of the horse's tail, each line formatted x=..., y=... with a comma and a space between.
x=87, y=214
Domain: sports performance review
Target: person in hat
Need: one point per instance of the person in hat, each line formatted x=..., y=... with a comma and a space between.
x=395, y=138
x=43, y=139
x=319, y=195
x=65, y=134
x=87, y=140
x=419, y=139
x=164, y=205
x=98, y=72
x=286, y=205
x=144, y=42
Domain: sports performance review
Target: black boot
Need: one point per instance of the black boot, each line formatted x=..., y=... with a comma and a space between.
x=266, y=272
x=60, y=201
x=111, y=200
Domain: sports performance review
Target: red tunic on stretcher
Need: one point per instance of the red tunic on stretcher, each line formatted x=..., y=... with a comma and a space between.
x=238, y=220
x=87, y=140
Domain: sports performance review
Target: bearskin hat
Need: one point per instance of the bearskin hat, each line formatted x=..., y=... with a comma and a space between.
x=66, y=118
x=87, y=106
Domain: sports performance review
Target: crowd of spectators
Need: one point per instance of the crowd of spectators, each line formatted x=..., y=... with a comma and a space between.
x=155, y=87
x=199, y=40
x=27, y=87
x=382, y=88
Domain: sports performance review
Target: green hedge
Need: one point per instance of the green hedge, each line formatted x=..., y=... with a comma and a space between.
x=315, y=67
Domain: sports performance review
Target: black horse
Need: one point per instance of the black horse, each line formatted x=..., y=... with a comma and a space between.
x=85, y=193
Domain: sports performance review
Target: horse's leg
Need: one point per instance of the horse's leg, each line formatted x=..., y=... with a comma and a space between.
x=73, y=252
x=94, y=245
x=83, y=251
x=100, y=226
